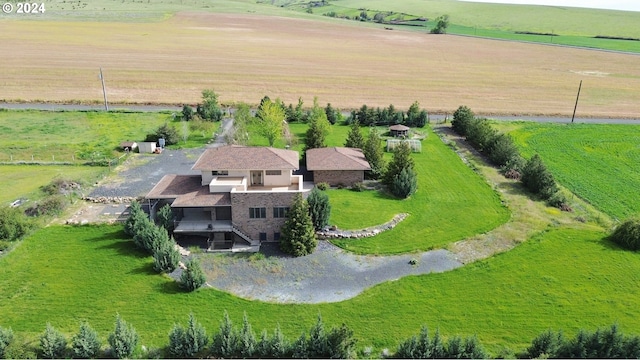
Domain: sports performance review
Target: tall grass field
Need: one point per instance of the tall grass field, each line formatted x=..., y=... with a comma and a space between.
x=599, y=163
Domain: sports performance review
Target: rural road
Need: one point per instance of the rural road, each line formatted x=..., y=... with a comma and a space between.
x=437, y=117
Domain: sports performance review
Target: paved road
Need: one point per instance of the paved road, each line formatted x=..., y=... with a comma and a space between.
x=437, y=117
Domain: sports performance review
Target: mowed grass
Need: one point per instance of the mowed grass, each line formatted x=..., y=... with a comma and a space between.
x=18, y=181
x=563, y=279
x=599, y=163
x=449, y=193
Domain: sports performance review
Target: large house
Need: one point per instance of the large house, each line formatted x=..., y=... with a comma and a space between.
x=239, y=200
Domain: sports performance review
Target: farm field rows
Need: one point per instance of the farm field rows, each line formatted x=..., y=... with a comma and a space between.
x=246, y=56
x=599, y=163
x=563, y=279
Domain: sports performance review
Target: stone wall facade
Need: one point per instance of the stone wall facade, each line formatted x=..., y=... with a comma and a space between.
x=338, y=177
x=241, y=202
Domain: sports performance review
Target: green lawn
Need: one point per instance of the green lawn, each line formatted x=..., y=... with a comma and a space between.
x=449, y=194
x=25, y=180
x=599, y=163
x=563, y=279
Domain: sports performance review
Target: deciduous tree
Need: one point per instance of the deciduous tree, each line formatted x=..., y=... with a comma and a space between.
x=271, y=119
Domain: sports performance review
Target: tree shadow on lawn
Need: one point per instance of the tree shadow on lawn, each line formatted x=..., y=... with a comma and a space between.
x=146, y=269
x=123, y=247
x=169, y=287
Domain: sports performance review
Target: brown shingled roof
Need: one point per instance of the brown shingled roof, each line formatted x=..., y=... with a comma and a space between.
x=399, y=127
x=336, y=158
x=234, y=157
x=187, y=190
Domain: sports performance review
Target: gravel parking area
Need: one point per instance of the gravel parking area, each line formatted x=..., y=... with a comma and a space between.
x=141, y=172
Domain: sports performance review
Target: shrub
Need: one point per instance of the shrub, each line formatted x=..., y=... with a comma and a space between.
x=6, y=338
x=166, y=132
x=340, y=343
x=501, y=151
x=52, y=343
x=247, y=339
x=300, y=347
x=298, y=237
x=559, y=201
x=189, y=342
x=319, y=208
x=627, y=234
x=537, y=178
x=85, y=344
x=401, y=159
x=322, y=186
x=123, y=340
x=51, y=205
x=225, y=342
x=13, y=224
x=461, y=119
x=358, y=187
x=164, y=218
x=317, y=346
x=135, y=214
x=192, y=277
x=165, y=256
x=545, y=344
x=405, y=184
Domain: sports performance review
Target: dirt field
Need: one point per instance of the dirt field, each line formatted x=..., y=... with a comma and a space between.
x=244, y=57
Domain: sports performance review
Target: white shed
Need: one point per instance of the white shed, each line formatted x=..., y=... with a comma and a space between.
x=147, y=147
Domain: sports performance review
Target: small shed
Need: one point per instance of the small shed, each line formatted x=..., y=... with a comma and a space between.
x=128, y=145
x=399, y=130
x=147, y=147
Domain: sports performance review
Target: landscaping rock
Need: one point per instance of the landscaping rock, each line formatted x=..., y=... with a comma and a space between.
x=332, y=232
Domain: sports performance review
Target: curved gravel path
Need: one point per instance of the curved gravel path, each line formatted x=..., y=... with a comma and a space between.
x=328, y=275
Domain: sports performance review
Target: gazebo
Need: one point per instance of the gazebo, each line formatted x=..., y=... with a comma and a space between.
x=399, y=130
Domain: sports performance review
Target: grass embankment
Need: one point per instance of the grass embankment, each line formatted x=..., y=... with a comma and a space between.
x=449, y=193
x=563, y=279
x=25, y=180
x=599, y=163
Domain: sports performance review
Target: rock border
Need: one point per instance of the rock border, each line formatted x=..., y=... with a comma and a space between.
x=335, y=233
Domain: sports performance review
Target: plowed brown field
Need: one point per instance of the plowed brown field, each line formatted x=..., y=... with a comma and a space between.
x=244, y=57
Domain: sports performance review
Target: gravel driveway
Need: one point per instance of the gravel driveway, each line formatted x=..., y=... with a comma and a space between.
x=328, y=275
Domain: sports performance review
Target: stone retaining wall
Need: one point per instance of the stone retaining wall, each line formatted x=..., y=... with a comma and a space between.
x=335, y=233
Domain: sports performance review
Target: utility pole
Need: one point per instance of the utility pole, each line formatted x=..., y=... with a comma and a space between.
x=104, y=92
x=576, y=107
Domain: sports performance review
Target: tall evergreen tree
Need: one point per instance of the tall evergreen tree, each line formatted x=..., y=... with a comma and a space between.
x=374, y=154
x=354, y=138
x=318, y=346
x=164, y=218
x=404, y=184
x=462, y=117
x=166, y=257
x=319, y=128
x=537, y=178
x=297, y=236
x=319, y=208
x=401, y=160
x=136, y=214
x=332, y=114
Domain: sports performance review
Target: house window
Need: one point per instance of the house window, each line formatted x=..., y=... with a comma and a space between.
x=276, y=236
x=220, y=172
x=257, y=213
x=273, y=172
x=263, y=236
x=280, y=212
